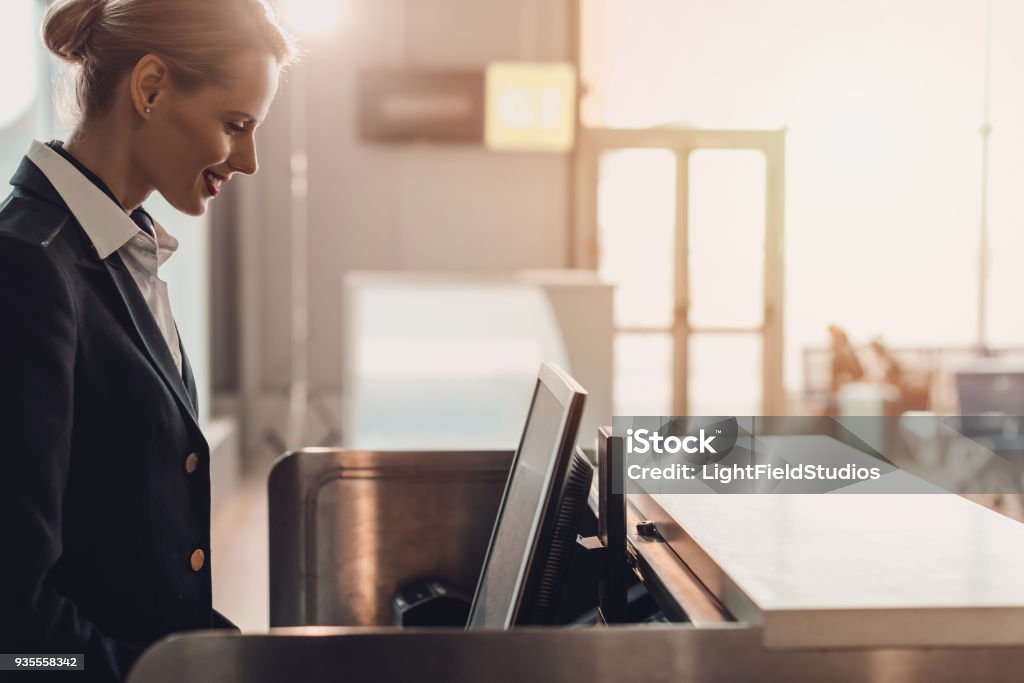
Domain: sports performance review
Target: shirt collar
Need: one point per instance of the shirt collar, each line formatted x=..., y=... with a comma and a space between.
x=104, y=221
x=58, y=147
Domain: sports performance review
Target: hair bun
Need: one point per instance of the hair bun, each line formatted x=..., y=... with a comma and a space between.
x=66, y=27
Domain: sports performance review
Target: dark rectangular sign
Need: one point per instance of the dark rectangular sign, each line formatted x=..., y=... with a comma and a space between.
x=402, y=105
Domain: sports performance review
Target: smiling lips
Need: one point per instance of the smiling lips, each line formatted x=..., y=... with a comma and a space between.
x=213, y=182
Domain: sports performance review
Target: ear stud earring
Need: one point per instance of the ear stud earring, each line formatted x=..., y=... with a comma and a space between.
x=149, y=110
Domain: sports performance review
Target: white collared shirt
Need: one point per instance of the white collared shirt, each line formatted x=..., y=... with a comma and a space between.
x=110, y=229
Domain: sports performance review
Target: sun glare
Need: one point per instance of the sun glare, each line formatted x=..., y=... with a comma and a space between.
x=860, y=136
x=18, y=56
x=312, y=17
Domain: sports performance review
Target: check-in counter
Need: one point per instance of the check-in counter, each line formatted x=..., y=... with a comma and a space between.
x=348, y=527
x=893, y=588
x=852, y=568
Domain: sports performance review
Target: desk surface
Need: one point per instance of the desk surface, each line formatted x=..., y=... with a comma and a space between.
x=853, y=570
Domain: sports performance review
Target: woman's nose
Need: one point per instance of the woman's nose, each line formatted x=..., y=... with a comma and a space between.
x=244, y=159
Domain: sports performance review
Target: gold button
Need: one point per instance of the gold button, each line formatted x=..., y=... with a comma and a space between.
x=191, y=463
x=198, y=557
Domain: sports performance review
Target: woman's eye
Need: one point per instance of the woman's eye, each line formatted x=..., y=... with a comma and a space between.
x=234, y=128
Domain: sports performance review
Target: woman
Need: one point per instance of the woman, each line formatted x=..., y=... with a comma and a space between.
x=104, y=489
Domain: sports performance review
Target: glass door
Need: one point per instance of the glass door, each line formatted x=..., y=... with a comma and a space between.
x=688, y=225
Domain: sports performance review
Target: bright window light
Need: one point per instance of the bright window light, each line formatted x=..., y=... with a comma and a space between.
x=312, y=17
x=18, y=47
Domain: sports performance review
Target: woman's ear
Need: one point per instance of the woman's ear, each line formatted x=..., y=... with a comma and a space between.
x=148, y=81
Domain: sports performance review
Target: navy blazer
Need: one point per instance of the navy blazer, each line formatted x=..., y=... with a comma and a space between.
x=104, y=472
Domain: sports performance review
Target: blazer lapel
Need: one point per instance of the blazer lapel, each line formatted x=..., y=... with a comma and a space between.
x=148, y=334
x=186, y=373
x=145, y=330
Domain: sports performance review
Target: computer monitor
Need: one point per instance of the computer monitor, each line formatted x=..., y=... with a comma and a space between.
x=535, y=531
x=991, y=406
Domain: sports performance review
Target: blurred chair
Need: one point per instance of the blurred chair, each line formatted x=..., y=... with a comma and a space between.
x=924, y=376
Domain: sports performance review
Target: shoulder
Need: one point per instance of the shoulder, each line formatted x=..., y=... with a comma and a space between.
x=32, y=220
x=30, y=266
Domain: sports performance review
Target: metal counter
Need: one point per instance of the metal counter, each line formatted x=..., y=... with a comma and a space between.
x=348, y=527
x=677, y=654
x=885, y=589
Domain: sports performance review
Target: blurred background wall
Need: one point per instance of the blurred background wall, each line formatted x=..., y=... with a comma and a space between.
x=880, y=106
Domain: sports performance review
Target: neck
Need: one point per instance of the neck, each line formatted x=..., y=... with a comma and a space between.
x=107, y=153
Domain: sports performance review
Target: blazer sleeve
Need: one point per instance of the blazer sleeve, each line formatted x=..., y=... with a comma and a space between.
x=37, y=365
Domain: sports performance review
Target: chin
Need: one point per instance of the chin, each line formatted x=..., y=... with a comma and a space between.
x=190, y=206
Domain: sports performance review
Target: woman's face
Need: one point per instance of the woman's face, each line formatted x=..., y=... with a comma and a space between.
x=195, y=141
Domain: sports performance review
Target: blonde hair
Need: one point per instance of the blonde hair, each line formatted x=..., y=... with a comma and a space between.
x=196, y=38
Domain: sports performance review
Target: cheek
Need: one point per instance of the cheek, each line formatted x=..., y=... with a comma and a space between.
x=198, y=143
x=212, y=145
